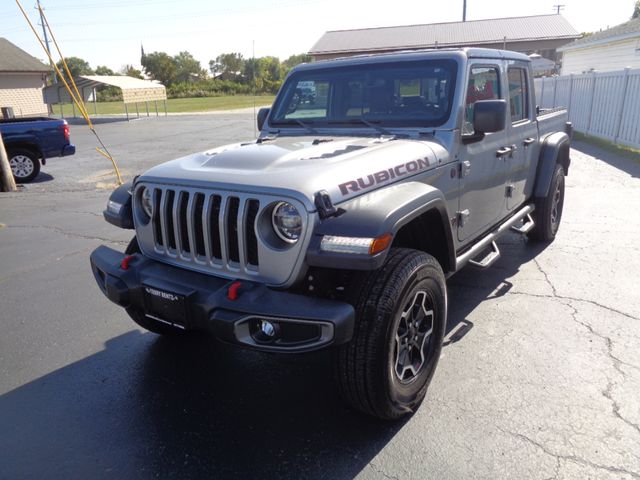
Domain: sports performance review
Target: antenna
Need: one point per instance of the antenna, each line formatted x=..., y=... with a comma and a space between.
x=46, y=40
x=464, y=10
x=253, y=81
x=558, y=8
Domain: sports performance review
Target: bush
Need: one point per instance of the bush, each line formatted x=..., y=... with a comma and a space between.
x=216, y=88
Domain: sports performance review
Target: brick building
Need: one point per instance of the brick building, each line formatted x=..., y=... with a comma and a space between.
x=22, y=79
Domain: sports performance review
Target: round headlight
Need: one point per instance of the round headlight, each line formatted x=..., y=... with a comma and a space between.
x=146, y=200
x=287, y=222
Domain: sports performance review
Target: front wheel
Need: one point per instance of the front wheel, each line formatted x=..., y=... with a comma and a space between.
x=401, y=315
x=25, y=165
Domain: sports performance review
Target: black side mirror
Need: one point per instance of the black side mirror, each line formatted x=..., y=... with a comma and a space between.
x=263, y=113
x=489, y=116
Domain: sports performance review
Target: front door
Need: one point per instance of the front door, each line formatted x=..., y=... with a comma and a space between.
x=483, y=172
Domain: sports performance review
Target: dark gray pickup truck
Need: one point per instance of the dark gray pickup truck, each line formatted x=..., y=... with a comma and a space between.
x=338, y=226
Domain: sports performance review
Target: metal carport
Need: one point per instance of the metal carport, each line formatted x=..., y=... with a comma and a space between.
x=134, y=90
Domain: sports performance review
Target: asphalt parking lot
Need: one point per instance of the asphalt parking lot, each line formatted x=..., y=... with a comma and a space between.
x=539, y=377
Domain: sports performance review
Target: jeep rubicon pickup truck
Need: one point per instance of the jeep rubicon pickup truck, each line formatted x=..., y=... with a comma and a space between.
x=338, y=226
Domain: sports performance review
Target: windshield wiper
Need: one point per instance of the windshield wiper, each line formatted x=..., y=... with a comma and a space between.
x=291, y=121
x=378, y=128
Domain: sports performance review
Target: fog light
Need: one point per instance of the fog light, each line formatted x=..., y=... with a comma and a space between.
x=265, y=331
x=267, y=328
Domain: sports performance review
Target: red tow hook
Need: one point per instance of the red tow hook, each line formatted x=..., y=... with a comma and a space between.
x=124, y=264
x=232, y=293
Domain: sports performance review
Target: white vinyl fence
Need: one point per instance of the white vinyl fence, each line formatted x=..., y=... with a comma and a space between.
x=603, y=104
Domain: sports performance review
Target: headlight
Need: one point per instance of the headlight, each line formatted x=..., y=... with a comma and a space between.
x=287, y=222
x=146, y=200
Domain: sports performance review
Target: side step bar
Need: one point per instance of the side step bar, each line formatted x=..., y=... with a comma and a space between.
x=526, y=226
x=489, y=259
x=492, y=237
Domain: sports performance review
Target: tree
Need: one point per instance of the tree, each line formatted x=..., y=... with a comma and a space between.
x=228, y=65
x=188, y=68
x=294, y=60
x=636, y=10
x=160, y=66
x=77, y=66
x=131, y=71
x=102, y=70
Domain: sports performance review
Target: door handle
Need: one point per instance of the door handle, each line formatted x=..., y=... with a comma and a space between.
x=501, y=152
x=528, y=141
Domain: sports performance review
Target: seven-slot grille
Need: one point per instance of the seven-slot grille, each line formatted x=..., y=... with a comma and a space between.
x=210, y=229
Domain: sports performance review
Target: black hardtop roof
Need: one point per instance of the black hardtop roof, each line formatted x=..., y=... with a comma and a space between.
x=415, y=55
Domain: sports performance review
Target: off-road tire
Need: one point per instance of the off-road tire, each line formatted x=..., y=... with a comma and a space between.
x=139, y=317
x=25, y=164
x=548, y=212
x=366, y=366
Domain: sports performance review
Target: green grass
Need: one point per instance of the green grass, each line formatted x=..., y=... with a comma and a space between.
x=174, y=105
x=622, y=150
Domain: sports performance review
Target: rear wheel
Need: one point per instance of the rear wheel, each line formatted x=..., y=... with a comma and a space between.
x=145, y=322
x=548, y=212
x=401, y=314
x=25, y=165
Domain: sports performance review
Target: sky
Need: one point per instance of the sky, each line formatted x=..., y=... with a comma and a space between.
x=110, y=33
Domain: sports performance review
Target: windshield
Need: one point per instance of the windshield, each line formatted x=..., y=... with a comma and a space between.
x=407, y=94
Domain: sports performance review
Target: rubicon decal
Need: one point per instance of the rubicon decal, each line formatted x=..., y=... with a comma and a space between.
x=384, y=176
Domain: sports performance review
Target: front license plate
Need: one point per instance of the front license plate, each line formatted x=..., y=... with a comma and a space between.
x=167, y=307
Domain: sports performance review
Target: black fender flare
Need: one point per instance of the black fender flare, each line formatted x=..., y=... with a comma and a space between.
x=554, y=150
x=375, y=214
x=121, y=217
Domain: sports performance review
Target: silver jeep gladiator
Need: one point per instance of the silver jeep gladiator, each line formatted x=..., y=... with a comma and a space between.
x=338, y=226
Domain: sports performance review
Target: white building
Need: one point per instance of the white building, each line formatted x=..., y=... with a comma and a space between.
x=612, y=49
x=22, y=78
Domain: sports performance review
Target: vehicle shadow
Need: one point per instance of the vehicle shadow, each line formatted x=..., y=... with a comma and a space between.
x=42, y=178
x=151, y=407
x=630, y=164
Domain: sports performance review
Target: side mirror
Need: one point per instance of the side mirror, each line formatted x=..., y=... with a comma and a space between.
x=263, y=113
x=489, y=116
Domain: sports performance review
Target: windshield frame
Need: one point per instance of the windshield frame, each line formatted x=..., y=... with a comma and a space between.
x=333, y=73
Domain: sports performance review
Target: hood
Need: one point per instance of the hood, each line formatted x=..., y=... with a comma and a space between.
x=302, y=166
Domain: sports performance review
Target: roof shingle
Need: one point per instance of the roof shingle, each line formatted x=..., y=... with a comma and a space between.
x=476, y=32
x=14, y=59
x=624, y=29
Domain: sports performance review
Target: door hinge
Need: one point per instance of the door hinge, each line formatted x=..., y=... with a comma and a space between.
x=510, y=190
x=463, y=216
x=465, y=168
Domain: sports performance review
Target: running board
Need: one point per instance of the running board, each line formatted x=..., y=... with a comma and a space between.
x=492, y=237
x=526, y=226
x=489, y=259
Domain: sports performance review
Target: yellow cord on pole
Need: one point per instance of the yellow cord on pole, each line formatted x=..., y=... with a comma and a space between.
x=78, y=100
x=81, y=106
x=115, y=167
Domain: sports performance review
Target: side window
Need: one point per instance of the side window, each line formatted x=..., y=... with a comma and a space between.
x=483, y=85
x=518, y=94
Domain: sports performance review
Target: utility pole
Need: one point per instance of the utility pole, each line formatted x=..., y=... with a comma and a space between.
x=464, y=10
x=46, y=39
x=7, y=182
x=558, y=8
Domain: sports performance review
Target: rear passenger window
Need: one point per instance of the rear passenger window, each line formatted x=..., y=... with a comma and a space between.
x=518, y=94
x=483, y=85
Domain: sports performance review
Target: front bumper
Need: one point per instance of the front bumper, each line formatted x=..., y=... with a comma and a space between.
x=303, y=323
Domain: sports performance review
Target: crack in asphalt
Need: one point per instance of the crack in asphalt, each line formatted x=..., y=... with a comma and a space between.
x=382, y=472
x=571, y=458
x=67, y=234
